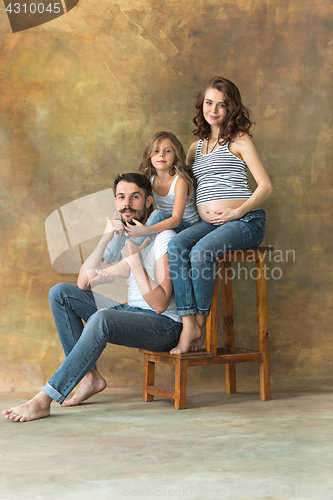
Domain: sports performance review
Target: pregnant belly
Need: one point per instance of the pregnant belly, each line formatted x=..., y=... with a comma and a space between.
x=206, y=210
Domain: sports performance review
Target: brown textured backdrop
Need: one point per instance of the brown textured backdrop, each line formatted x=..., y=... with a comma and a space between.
x=79, y=97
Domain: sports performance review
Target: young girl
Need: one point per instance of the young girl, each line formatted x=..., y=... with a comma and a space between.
x=229, y=210
x=164, y=164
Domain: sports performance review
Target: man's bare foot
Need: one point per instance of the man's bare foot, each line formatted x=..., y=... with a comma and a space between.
x=190, y=333
x=37, y=407
x=91, y=384
x=198, y=343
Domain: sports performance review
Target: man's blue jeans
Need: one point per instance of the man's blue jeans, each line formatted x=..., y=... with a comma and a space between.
x=83, y=345
x=193, y=252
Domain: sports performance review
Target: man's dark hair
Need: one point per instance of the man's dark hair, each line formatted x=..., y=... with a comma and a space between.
x=140, y=180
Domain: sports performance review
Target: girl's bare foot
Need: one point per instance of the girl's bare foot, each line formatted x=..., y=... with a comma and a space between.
x=91, y=384
x=100, y=278
x=37, y=407
x=190, y=333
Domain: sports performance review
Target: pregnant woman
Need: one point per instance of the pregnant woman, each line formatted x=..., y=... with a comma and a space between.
x=230, y=213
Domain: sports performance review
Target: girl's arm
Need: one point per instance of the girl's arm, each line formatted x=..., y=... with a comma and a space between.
x=181, y=189
x=244, y=148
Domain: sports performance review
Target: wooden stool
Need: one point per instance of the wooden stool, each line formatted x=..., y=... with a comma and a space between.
x=212, y=355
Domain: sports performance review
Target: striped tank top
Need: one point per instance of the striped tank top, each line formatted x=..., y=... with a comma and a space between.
x=220, y=175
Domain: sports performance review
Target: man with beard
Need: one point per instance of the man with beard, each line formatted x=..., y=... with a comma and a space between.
x=149, y=321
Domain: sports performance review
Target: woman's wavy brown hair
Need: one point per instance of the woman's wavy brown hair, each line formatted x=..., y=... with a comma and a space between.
x=237, y=118
x=178, y=168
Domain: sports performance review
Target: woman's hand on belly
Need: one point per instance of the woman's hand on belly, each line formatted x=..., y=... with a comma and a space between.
x=224, y=215
x=220, y=212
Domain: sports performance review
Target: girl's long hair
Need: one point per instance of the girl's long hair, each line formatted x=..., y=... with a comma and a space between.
x=178, y=168
x=237, y=118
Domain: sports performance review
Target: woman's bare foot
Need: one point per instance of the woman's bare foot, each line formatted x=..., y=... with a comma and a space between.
x=190, y=333
x=37, y=407
x=91, y=384
x=198, y=343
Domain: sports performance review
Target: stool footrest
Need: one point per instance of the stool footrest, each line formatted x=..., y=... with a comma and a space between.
x=224, y=355
x=238, y=355
x=188, y=355
x=158, y=391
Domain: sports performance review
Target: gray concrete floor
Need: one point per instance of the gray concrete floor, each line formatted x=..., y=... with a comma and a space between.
x=223, y=446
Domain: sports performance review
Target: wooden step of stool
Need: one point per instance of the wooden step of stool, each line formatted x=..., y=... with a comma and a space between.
x=228, y=355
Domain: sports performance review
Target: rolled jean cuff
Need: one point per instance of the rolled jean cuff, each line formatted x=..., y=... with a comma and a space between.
x=203, y=313
x=52, y=393
x=187, y=312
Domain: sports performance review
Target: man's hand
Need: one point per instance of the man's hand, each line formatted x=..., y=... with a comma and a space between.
x=113, y=226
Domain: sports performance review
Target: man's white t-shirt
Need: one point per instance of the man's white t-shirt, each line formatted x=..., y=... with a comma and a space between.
x=153, y=251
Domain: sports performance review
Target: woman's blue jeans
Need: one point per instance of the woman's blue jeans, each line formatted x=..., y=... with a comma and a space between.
x=193, y=253
x=83, y=345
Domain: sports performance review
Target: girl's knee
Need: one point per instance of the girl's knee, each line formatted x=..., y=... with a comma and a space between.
x=173, y=249
x=201, y=254
x=157, y=216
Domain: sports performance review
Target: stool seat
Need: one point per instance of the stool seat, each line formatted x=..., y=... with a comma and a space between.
x=229, y=354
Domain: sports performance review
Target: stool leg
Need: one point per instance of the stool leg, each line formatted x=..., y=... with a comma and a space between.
x=262, y=317
x=211, y=320
x=180, y=384
x=148, y=377
x=228, y=326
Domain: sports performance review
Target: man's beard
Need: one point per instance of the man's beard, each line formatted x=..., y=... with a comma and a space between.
x=140, y=217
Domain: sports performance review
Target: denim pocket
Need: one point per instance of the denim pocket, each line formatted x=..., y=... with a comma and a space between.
x=254, y=214
x=255, y=224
